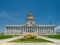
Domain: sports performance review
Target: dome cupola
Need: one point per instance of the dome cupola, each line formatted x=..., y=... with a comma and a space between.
x=30, y=19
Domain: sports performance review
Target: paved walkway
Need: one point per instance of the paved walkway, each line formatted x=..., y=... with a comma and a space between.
x=50, y=39
x=31, y=44
x=5, y=42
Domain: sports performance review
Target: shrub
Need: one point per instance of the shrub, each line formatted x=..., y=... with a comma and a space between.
x=22, y=39
x=30, y=36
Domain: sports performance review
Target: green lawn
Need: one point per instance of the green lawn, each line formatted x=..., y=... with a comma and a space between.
x=5, y=36
x=30, y=40
x=53, y=36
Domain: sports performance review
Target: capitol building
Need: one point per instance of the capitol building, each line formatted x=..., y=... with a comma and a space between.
x=30, y=27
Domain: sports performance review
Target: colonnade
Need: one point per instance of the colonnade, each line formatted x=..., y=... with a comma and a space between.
x=36, y=30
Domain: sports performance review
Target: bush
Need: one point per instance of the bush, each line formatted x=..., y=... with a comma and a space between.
x=22, y=39
x=30, y=36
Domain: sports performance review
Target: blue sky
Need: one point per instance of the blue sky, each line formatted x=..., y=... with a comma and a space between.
x=15, y=11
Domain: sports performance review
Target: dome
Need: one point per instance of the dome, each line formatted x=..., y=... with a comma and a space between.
x=30, y=19
x=30, y=16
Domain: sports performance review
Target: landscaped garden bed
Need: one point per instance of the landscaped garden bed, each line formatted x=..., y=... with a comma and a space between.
x=30, y=39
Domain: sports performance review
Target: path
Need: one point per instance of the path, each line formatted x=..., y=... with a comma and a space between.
x=5, y=42
x=9, y=39
x=50, y=39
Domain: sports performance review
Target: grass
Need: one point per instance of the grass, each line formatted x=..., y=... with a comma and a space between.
x=53, y=36
x=30, y=40
x=5, y=36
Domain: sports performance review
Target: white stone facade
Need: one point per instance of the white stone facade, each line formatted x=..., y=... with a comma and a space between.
x=30, y=28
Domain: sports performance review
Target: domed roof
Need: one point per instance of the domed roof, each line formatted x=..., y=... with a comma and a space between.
x=30, y=16
x=30, y=19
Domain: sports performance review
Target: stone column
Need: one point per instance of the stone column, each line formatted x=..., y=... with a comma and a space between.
x=43, y=30
x=54, y=30
x=48, y=31
x=26, y=29
x=6, y=30
x=37, y=31
x=40, y=30
x=22, y=31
